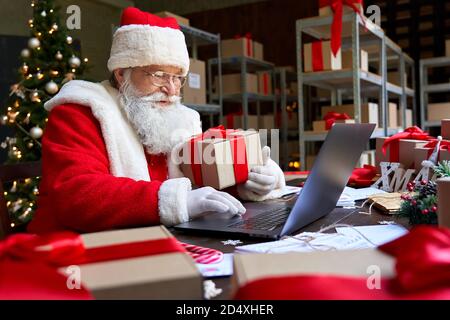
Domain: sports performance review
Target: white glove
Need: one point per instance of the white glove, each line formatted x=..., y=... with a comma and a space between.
x=209, y=199
x=264, y=182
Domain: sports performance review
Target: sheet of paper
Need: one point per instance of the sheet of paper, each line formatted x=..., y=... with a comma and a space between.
x=221, y=269
x=360, y=194
x=378, y=234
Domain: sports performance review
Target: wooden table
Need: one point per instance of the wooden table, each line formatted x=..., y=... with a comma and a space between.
x=338, y=215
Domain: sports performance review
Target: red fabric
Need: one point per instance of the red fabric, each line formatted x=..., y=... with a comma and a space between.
x=265, y=83
x=331, y=117
x=393, y=142
x=77, y=190
x=62, y=249
x=444, y=145
x=317, y=56
x=336, y=27
x=133, y=15
x=230, y=119
x=363, y=177
x=422, y=267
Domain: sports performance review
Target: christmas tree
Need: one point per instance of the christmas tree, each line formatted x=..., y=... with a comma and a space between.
x=46, y=64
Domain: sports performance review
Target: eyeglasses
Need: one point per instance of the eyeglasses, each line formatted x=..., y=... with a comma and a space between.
x=161, y=79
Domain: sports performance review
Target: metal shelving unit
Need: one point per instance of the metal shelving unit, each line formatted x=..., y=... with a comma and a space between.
x=426, y=89
x=242, y=65
x=195, y=38
x=357, y=33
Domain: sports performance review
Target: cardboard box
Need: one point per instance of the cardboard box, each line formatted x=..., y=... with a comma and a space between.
x=194, y=91
x=329, y=61
x=367, y=158
x=267, y=121
x=320, y=125
x=159, y=276
x=379, y=155
x=369, y=111
x=392, y=115
x=231, y=83
x=409, y=118
x=394, y=78
x=242, y=47
x=217, y=160
x=352, y=263
x=180, y=20
x=421, y=153
x=327, y=11
x=445, y=129
x=237, y=122
x=406, y=152
x=265, y=83
x=438, y=111
x=347, y=60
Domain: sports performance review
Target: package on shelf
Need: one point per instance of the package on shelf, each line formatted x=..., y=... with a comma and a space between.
x=249, y=268
x=231, y=83
x=347, y=60
x=326, y=10
x=445, y=129
x=447, y=48
x=236, y=121
x=180, y=20
x=267, y=121
x=265, y=83
x=194, y=91
x=158, y=275
x=221, y=162
x=424, y=152
x=394, y=77
x=321, y=126
x=367, y=158
x=242, y=46
x=392, y=115
x=318, y=57
x=409, y=118
x=438, y=111
x=369, y=111
x=406, y=152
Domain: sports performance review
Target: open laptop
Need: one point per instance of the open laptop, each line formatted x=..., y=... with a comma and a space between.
x=273, y=219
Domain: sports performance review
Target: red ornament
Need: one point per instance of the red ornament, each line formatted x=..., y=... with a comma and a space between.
x=414, y=202
x=423, y=182
x=425, y=211
x=434, y=208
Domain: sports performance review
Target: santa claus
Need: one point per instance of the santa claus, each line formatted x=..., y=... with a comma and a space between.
x=107, y=149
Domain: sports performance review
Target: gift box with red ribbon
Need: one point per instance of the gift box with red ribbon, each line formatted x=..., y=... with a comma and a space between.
x=242, y=45
x=445, y=129
x=400, y=147
x=221, y=158
x=414, y=266
x=265, y=83
x=424, y=151
x=318, y=57
x=142, y=263
x=329, y=120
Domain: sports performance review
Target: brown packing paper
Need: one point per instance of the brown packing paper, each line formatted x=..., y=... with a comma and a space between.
x=421, y=154
x=250, y=267
x=388, y=203
x=194, y=92
x=443, y=195
x=180, y=20
x=162, y=276
x=330, y=62
x=369, y=111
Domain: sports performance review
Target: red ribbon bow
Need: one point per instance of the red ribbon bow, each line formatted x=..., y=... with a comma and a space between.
x=248, y=37
x=363, y=177
x=414, y=133
x=336, y=27
x=444, y=145
x=331, y=117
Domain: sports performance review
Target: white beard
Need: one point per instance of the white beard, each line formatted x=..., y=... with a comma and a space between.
x=159, y=128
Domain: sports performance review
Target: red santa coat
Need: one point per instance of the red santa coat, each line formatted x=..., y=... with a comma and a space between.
x=96, y=174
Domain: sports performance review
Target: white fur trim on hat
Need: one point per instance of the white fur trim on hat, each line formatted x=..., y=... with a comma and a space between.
x=142, y=45
x=173, y=201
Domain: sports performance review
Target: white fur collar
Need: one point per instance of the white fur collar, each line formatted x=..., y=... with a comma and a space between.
x=125, y=151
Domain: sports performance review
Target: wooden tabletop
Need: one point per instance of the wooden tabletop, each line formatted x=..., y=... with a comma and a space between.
x=338, y=215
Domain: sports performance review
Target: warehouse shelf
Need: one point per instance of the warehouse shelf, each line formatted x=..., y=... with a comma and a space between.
x=205, y=108
x=426, y=89
x=377, y=133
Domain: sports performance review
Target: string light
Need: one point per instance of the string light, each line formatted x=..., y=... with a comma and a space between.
x=86, y=60
x=12, y=225
x=73, y=70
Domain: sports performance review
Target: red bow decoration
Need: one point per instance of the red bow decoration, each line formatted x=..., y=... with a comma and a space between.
x=422, y=267
x=336, y=27
x=363, y=177
x=444, y=145
x=230, y=118
x=331, y=117
x=414, y=133
x=248, y=37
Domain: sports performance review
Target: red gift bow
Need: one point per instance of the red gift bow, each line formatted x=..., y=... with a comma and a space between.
x=336, y=27
x=363, y=177
x=422, y=267
x=331, y=117
x=240, y=164
x=248, y=37
x=444, y=145
x=265, y=83
x=317, y=56
x=414, y=133
x=230, y=119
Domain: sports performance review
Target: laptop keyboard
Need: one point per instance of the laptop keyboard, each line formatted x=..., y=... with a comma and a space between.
x=269, y=220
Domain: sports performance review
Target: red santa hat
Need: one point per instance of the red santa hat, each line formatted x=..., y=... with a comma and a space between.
x=144, y=39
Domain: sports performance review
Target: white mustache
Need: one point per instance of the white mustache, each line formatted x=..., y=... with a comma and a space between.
x=159, y=96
